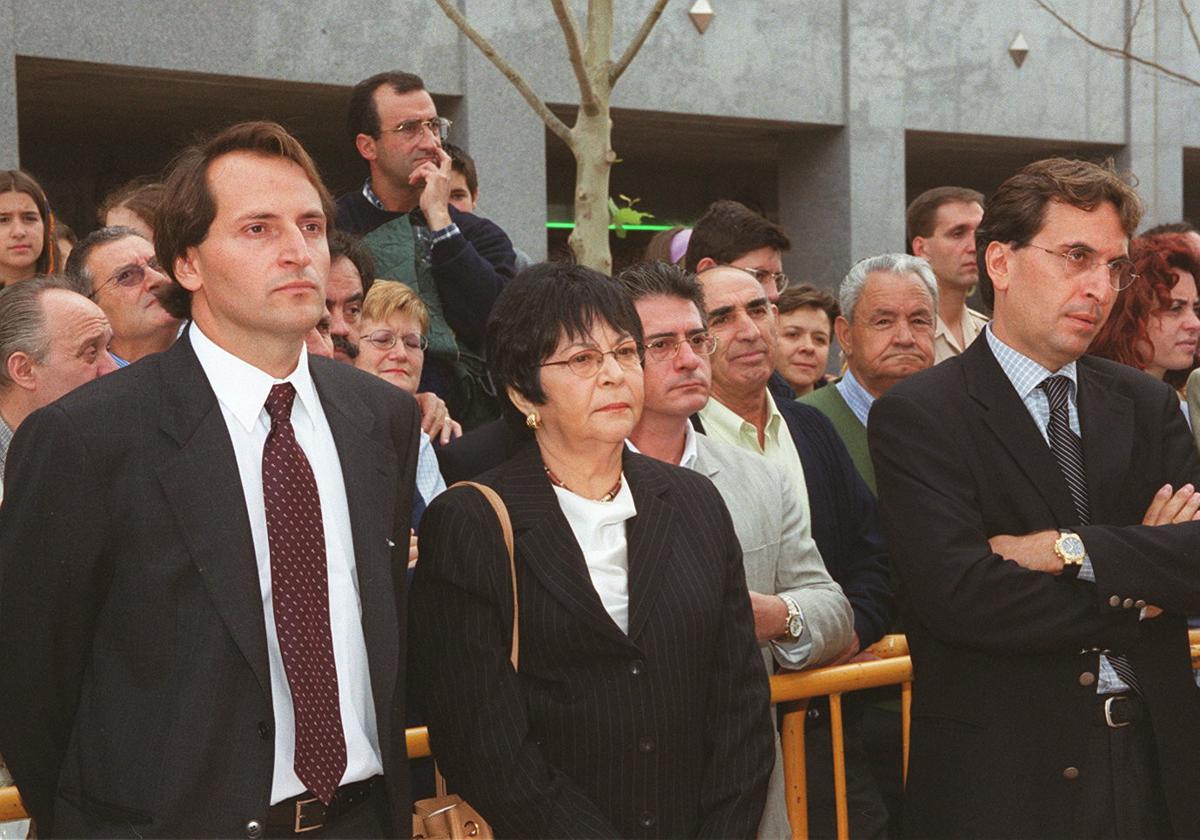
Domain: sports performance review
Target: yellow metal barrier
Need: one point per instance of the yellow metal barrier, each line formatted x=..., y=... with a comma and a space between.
x=10, y=805
x=796, y=688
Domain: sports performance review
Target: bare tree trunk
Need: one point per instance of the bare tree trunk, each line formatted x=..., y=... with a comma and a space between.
x=592, y=136
x=590, y=139
x=593, y=162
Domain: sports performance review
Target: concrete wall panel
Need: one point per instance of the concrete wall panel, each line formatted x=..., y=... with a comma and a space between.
x=332, y=43
x=9, y=157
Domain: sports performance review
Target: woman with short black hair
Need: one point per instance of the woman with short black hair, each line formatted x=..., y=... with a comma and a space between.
x=639, y=706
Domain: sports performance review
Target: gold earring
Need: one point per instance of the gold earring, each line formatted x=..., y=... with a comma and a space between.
x=533, y=421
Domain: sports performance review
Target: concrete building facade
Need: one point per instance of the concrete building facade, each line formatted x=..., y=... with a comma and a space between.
x=829, y=115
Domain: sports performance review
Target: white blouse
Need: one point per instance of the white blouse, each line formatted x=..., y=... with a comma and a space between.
x=599, y=528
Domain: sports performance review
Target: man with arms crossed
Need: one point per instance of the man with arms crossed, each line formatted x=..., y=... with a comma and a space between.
x=203, y=554
x=1053, y=693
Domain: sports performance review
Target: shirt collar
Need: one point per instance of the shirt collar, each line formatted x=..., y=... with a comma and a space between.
x=858, y=398
x=968, y=322
x=243, y=389
x=735, y=425
x=1023, y=372
x=6, y=436
x=688, y=459
x=369, y=195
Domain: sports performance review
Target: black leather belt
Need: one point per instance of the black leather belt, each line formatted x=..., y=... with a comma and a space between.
x=305, y=812
x=1118, y=710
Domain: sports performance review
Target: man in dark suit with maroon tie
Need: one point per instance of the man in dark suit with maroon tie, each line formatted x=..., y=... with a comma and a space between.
x=203, y=559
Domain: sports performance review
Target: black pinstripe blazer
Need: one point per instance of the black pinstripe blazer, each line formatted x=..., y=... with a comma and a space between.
x=663, y=732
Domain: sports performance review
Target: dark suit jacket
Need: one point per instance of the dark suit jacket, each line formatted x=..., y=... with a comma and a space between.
x=1005, y=659
x=480, y=450
x=845, y=520
x=136, y=693
x=664, y=732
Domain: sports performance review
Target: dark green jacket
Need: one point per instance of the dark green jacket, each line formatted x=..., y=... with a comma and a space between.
x=828, y=401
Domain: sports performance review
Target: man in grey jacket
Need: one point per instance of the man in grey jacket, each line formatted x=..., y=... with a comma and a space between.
x=801, y=616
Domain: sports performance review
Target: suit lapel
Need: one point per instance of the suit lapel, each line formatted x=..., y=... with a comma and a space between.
x=649, y=540
x=201, y=483
x=545, y=544
x=369, y=473
x=704, y=465
x=1009, y=420
x=1106, y=453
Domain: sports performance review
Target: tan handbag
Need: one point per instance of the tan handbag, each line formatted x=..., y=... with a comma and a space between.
x=447, y=816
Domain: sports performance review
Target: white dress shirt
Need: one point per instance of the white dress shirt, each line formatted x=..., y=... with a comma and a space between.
x=242, y=391
x=430, y=483
x=599, y=528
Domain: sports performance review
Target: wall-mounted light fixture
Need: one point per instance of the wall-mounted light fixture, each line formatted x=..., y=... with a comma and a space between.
x=1018, y=49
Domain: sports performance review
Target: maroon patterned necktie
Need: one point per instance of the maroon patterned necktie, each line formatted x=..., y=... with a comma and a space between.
x=300, y=595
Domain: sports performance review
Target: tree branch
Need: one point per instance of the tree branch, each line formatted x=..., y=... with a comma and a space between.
x=638, y=40
x=1133, y=22
x=570, y=28
x=1187, y=15
x=1113, y=51
x=540, y=108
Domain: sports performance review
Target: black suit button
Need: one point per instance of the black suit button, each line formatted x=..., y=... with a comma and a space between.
x=1071, y=773
x=1140, y=604
x=636, y=667
x=254, y=829
x=1127, y=603
x=1114, y=601
x=646, y=820
x=646, y=745
x=1087, y=678
x=264, y=730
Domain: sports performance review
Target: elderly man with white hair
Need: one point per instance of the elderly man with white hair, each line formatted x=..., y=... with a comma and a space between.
x=886, y=330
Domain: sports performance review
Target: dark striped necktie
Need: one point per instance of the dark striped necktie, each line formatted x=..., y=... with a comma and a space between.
x=1068, y=451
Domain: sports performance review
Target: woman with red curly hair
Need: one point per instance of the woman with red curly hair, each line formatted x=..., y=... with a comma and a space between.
x=1155, y=323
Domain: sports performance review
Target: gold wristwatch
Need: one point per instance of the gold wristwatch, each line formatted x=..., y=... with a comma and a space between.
x=1070, y=550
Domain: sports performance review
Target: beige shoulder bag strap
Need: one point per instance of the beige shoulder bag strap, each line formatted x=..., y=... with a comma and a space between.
x=506, y=528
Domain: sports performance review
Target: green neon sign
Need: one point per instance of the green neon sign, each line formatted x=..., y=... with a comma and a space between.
x=571, y=226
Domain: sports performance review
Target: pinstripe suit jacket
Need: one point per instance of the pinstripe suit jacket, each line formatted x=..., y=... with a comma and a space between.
x=663, y=732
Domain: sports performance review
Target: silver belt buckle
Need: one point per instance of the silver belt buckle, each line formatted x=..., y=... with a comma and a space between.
x=1108, y=713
